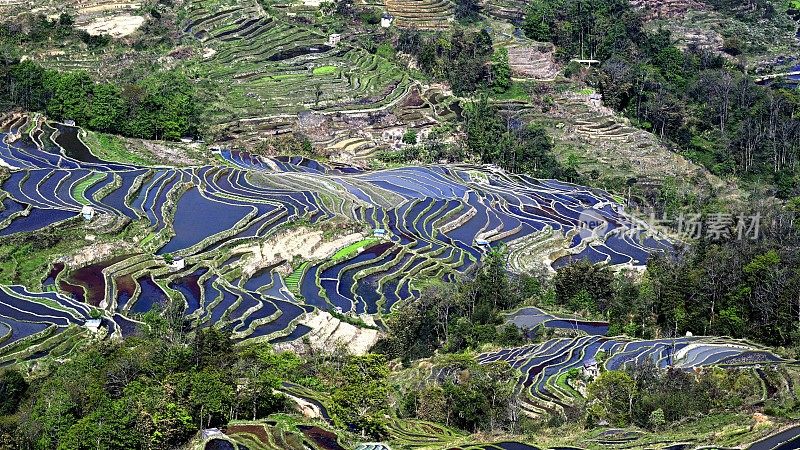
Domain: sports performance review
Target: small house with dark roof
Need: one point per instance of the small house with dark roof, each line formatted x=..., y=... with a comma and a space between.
x=596, y=99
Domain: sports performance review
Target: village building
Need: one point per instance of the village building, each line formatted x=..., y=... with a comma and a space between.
x=93, y=325
x=209, y=433
x=591, y=369
x=596, y=99
x=373, y=446
x=178, y=264
x=87, y=212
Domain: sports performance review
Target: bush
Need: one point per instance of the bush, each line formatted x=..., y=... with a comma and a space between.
x=657, y=419
x=467, y=10
x=12, y=389
x=370, y=17
x=386, y=50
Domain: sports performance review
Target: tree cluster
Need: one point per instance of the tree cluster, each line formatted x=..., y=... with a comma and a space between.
x=459, y=57
x=145, y=393
x=160, y=106
x=467, y=10
x=471, y=396
x=452, y=317
x=584, y=29
x=507, y=142
x=715, y=113
x=157, y=389
x=651, y=398
x=38, y=28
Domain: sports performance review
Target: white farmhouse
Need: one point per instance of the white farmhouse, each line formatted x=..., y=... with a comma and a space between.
x=93, y=325
x=87, y=212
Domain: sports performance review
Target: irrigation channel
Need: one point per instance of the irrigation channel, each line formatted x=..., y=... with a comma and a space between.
x=416, y=223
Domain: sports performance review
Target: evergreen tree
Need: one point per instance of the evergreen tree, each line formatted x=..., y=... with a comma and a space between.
x=501, y=71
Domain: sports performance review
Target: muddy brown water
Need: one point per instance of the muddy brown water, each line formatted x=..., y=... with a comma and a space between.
x=326, y=440
x=91, y=279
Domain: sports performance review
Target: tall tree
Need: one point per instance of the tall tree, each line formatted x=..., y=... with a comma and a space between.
x=501, y=71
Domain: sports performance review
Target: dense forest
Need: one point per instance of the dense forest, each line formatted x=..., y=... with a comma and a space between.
x=161, y=106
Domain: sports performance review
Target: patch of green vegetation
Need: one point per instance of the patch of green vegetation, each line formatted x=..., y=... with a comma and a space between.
x=223, y=162
x=515, y=92
x=112, y=148
x=164, y=107
x=293, y=280
x=79, y=190
x=31, y=125
x=478, y=176
x=287, y=76
x=356, y=321
x=562, y=383
x=324, y=70
x=25, y=259
x=352, y=249
x=147, y=239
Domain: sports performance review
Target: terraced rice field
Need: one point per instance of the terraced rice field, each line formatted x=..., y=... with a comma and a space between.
x=421, y=14
x=272, y=67
x=531, y=317
x=528, y=61
x=541, y=365
x=409, y=433
x=438, y=222
x=604, y=141
x=510, y=10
